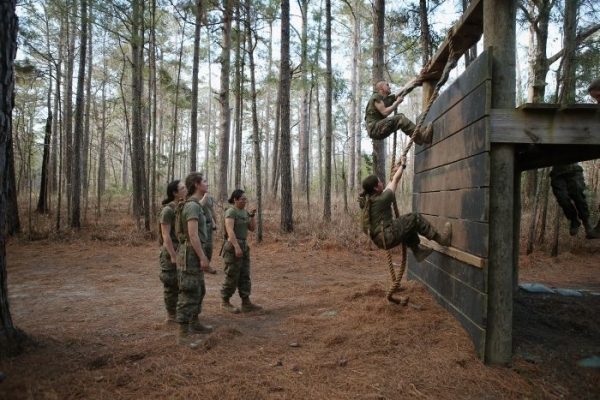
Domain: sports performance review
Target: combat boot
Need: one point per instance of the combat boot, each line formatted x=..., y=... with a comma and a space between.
x=227, y=306
x=248, y=306
x=425, y=135
x=171, y=318
x=421, y=252
x=445, y=238
x=185, y=337
x=574, y=229
x=198, y=327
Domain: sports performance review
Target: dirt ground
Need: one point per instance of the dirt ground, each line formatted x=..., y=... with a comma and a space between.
x=94, y=311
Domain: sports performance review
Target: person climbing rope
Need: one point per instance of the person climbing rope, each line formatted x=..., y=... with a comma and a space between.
x=379, y=123
x=387, y=232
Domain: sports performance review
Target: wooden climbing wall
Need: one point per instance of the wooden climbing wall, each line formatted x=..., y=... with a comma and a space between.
x=452, y=183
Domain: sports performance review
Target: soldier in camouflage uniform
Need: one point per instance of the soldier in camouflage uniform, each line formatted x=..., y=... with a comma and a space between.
x=380, y=125
x=211, y=226
x=568, y=187
x=387, y=232
x=192, y=260
x=176, y=192
x=236, y=253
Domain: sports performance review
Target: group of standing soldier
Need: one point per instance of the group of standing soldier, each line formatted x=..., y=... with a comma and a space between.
x=187, y=224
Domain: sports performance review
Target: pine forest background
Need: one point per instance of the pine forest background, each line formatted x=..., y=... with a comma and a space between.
x=115, y=98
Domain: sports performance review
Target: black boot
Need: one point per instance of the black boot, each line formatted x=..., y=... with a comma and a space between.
x=574, y=229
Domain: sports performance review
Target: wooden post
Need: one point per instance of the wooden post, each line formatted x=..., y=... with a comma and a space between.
x=500, y=33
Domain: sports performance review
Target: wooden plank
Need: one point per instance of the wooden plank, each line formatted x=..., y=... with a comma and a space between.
x=581, y=108
x=464, y=272
x=471, y=308
x=541, y=156
x=463, y=296
x=470, y=141
x=474, y=76
x=455, y=253
x=466, y=33
x=545, y=107
x=466, y=112
x=473, y=172
x=468, y=236
x=471, y=204
x=517, y=126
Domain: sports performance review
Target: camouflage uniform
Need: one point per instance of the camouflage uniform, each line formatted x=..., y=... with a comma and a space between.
x=568, y=187
x=388, y=232
x=237, y=270
x=378, y=126
x=210, y=212
x=168, y=270
x=191, y=278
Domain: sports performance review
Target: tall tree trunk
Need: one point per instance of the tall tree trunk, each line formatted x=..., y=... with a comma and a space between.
x=255, y=130
x=199, y=9
x=225, y=116
x=378, y=46
x=152, y=87
x=78, y=133
x=176, y=105
x=569, y=64
x=11, y=337
x=140, y=200
x=101, y=184
x=303, y=127
x=85, y=153
x=239, y=104
x=287, y=219
x=68, y=112
x=328, y=114
x=42, y=205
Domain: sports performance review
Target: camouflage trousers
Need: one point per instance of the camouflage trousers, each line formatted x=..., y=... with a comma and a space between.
x=208, y=246
x=405, y=229
x=384, y=128
x=237, y=271
x=569, y=190
x=191, y=284
x=168, y=276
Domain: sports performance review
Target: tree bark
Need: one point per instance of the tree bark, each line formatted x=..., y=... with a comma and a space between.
x=11, y=337
x=378, y=46
x=225, y=114
x=287, y=220
x=328, y=114
x=255, y=130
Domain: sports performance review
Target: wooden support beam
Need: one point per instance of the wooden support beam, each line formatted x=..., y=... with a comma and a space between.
x=457, y=254
x=465, y=34
x=546, y=125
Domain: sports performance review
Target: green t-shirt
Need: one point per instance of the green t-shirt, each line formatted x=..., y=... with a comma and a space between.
x=241, y=218
x=381, y=211
x=194, y=210
x=372, y=114
x=167, y=217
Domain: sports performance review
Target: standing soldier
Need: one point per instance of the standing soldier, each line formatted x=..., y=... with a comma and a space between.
x=236, y=253
x=191, y=259
x=167, y=259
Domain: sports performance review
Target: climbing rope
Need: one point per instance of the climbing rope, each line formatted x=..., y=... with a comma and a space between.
x=450, y=65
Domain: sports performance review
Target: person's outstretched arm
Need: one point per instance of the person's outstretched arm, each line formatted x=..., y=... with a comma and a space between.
x=393, y=185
